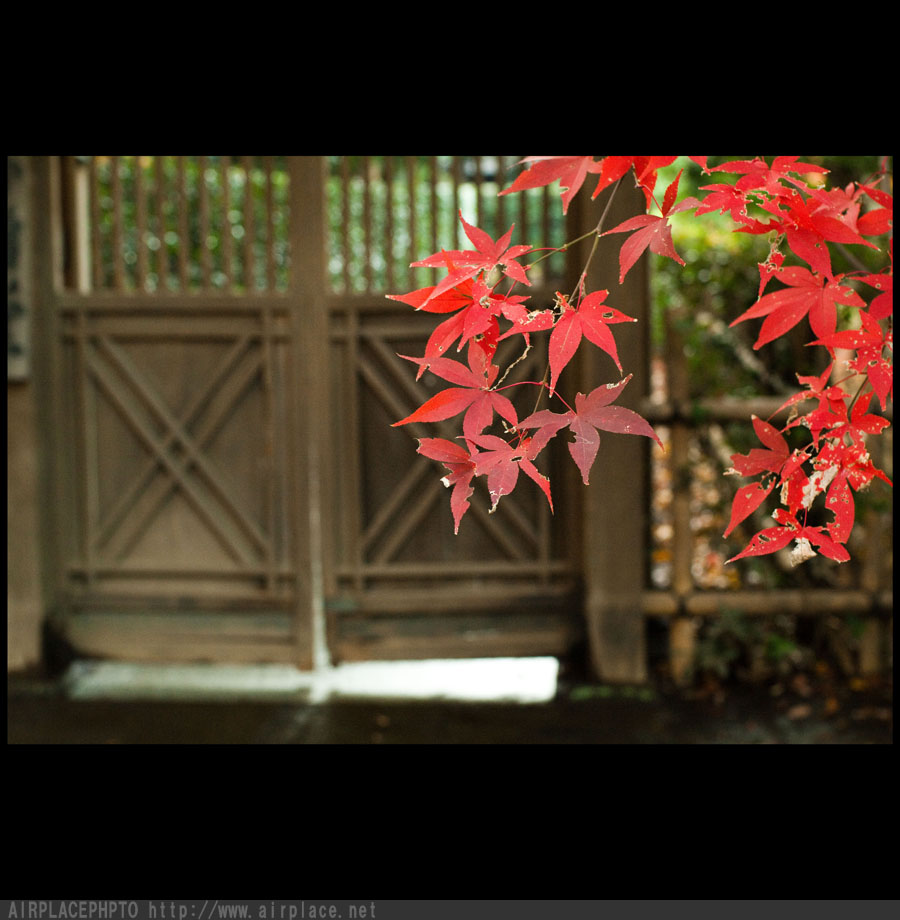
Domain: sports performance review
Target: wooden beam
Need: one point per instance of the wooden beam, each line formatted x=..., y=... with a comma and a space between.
x=615, y=528
x=307, y=395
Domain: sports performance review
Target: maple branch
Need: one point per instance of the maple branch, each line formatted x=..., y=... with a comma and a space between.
x=808, y=226
x=535, y=383
x=596, y=233
x=852, y=258
x=598, y=230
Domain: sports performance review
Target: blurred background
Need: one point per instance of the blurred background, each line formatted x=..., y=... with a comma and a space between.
x=203, y=372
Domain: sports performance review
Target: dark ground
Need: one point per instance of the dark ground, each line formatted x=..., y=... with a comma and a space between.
x=860, y=712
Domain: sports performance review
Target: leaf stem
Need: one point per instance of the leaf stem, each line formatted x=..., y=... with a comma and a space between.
x=535, y=383
x=597, y=231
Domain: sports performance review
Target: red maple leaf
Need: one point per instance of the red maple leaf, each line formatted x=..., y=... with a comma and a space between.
x=500, y=461
x=839, y=500
x=879, y=220
x=645, y=171
x=455, y=298
x=817, y=388
x=757, y=174
x=772, y=539
x=852, y=459
x=770, y=458
x=476, y=308
x=863, y=422
x=592, y=413
x=831, y=409
x=473, y=396
x=809, y=226
x=746, y=500
x=570, y=171
x=590, y=319
x=805, y=293
x=725, y=198
x=883, y=304
x=461, y=469
x=651, y=230
x=869, y=343
x=488, y=254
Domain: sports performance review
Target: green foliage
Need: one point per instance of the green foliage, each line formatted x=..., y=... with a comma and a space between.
x=736, y=646
x=168, y=190
x=721, y=279
x=376, y=198
x=698, y=301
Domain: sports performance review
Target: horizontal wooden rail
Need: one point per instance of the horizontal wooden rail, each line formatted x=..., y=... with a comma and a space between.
x=719, y=409
x=822, y=601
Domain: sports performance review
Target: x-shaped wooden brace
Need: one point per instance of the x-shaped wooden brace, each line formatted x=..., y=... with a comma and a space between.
x=210, y=497
x=412, y=480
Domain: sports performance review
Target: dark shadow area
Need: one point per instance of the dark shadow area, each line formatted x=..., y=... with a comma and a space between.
x=39, y=712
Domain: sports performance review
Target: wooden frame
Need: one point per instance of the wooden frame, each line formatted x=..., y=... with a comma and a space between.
x=398, y=582
x=345, y=578
x=256, y=602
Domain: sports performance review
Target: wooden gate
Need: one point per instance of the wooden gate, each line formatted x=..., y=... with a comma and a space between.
x=173, y=363
x=218, y=376
x=398, y=582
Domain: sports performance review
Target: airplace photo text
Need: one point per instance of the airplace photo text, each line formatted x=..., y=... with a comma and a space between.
x=189, y=910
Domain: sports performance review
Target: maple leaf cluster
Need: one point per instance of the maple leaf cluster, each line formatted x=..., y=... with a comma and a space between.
x=480, y=318
x=806, y=220
x=762, y=198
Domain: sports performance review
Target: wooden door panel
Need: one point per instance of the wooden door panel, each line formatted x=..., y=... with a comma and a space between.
x=398, y=581
x=392, y=538
x=178, y=454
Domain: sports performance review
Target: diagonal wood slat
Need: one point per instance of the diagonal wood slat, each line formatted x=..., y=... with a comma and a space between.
x=125, y=502
x=131, y=411
x=210, y=503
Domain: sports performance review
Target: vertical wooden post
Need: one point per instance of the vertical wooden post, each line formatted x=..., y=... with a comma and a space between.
x=76, y=214
x=615, y=503
x=871, y=642
x=682, y=628
x=309, y=384
x=47, y=281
